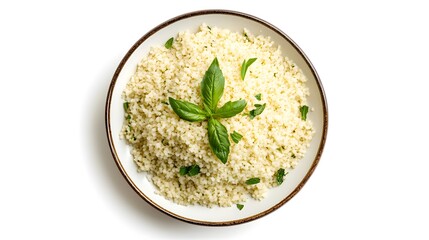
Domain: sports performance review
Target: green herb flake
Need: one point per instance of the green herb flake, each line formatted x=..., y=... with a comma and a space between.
x=183, y=171
x=164, y=102
x=126, y=106
x=193, y=170
x=245, y=66
x=236, y=137
x=280, y=175
x=169, y=43
x=257, y=111
x=246, y=36
x=258, y=96
x=304, y=111
x=252, y=181
x=240, y=206
x=189, y=170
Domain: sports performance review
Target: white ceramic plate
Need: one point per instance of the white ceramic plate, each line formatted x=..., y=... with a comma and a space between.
x=276, y=197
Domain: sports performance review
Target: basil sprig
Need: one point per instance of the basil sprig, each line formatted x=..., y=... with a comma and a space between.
x=212, y=87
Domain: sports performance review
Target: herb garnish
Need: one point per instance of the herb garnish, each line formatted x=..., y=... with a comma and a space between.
x=218, y=139
x=240, y=206
x=252, y=181
x=169, y=43
x=212, y=87
x=258, y=96
x=280, y=175
x=257, y=111
x=126, y=106
x=187, y=111
x=236, y=137
x=245, y=66
x=304, y=111
x=189, y=170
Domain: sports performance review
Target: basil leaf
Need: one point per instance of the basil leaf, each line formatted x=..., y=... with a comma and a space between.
x=169, y=43
x=240, y=206
x=252, y=181
x=257, y=111
x=187, y=111
x=258, y=96
x=212, y=85
x=236, y=137
x=230, y=109
x=245, y=66
x=304, y=111
x=279, y=175
x=193, y=170
x=218, y=139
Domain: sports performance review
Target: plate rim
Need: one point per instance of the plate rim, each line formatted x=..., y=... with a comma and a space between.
x=166, y=23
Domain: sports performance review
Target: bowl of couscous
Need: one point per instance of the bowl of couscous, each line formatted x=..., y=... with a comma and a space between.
x=216, y=117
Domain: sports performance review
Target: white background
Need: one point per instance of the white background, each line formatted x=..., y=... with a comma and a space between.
x=58, y=179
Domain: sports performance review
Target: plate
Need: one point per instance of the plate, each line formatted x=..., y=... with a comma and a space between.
x=217, y=216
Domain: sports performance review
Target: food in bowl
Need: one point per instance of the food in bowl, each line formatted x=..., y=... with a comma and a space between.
x=215, y=117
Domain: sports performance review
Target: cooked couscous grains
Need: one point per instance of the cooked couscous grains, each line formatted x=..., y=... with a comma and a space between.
x=162, y=143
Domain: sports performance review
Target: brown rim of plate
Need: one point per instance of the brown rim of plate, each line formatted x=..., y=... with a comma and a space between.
x=209, y=12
